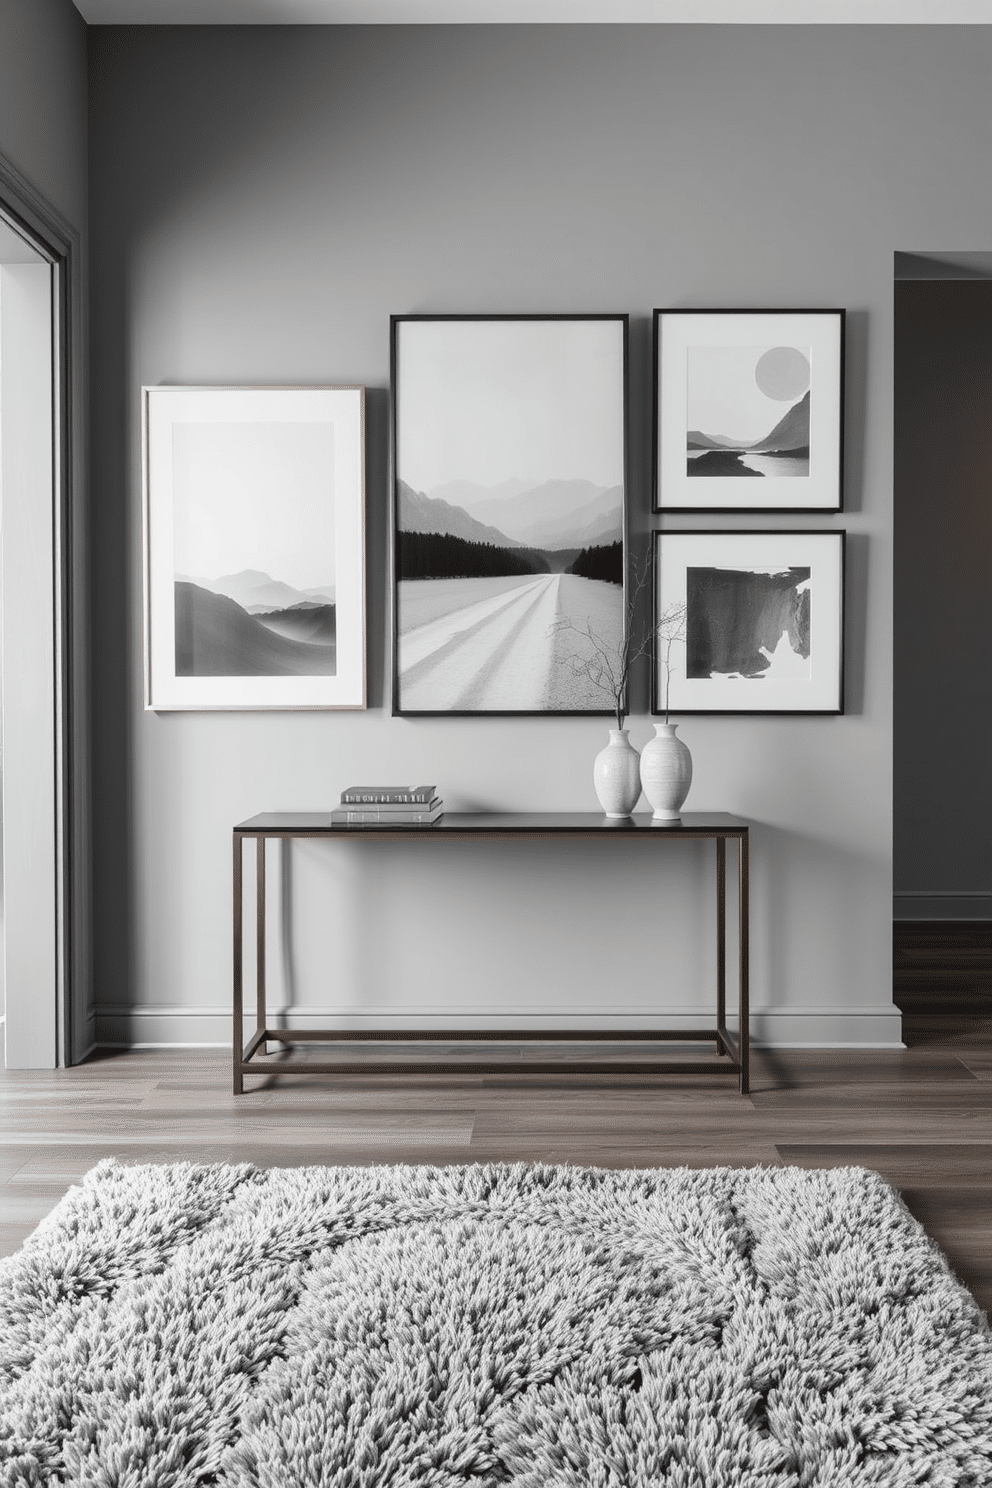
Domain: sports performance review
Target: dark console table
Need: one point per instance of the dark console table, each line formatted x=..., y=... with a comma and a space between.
x=253, y=1057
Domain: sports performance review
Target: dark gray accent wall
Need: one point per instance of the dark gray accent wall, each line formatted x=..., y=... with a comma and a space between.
x=262, y=200
x=943, y=599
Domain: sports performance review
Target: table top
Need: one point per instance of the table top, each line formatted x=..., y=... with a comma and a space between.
x=501, y=823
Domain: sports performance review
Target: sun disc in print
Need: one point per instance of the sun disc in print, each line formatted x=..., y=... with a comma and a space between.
x=782, y=373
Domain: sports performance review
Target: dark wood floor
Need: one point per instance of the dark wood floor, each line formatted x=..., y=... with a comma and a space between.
x=921, y=1116
x=942, y=969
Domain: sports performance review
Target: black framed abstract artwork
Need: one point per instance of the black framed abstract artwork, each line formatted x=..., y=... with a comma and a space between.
x=254, y=547
x=748, y=410
x=509, y=470
x=758, y=619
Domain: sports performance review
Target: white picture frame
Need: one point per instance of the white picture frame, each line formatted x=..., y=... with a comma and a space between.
x=761, y=621
x=752, y=393
x=254, y=547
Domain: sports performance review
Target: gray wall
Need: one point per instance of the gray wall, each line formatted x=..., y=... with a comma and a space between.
x=943, y=596
x=43, y=99
x=262, y=200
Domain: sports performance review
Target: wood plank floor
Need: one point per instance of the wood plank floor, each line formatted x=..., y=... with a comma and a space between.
x=921, y=1116
x=942, y=966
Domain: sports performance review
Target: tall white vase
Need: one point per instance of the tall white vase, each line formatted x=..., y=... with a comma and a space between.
x=616, y=775
x=666, y=772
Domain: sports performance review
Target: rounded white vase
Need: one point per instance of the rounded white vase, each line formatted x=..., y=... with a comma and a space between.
x=666, y=773
x=616, y=775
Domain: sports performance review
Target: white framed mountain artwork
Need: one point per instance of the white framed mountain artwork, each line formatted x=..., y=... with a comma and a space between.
x=748, y=410
x=509, y=478
x=254, y=547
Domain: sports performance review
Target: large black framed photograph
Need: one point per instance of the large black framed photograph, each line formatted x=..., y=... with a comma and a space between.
x=758, y=619
x=748, y=410
x=509, y=469
x=254, y=547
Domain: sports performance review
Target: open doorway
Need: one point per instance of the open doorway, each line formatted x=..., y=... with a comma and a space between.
x=41, y=952
x=943, y=619
x=943, y=586
x=27, y=723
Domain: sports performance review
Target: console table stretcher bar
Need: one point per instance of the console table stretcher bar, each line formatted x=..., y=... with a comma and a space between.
x=290, y=826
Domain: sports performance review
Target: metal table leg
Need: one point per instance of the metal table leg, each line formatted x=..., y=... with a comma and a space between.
x=237, y=1039
x=260, y=1012
x=744, y=931
x=721, y=942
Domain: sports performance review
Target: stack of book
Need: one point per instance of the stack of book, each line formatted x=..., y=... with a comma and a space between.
x=388, y=806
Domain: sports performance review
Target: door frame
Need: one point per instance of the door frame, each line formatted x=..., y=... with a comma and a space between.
x=25, y=210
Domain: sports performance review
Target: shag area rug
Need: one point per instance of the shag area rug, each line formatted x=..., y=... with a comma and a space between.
x=539, y=1326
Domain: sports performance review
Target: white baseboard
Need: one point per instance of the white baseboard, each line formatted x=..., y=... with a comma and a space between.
x=162, y=1026
x=827, y=1028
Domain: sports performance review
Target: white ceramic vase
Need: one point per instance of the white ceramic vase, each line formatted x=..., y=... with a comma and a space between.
x=666, y=773
x=616, y=775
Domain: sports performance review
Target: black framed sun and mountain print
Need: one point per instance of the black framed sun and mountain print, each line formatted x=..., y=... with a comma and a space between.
x=509, y=472
x=748, y=410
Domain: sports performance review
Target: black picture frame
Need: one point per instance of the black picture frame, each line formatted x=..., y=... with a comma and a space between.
x=707, y=367
x=504, y=422
x=731, y=624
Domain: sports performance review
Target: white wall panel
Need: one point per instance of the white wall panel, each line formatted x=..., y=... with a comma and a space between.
x=28, y=680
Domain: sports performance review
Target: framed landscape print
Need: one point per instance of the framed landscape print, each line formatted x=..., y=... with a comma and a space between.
x=748, y=410
x=509, y=468
x=254, y=547
x=759, y=620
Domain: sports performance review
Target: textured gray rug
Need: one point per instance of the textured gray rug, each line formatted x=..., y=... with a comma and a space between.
x=543, y=1327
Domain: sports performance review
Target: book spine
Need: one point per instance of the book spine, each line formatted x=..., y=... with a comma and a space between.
x=395, y=808
x=384, y=818
x=387, y=798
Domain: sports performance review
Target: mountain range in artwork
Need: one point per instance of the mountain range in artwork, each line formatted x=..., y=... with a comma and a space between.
x=554, y=514
x=784, y=450
x=249, y=624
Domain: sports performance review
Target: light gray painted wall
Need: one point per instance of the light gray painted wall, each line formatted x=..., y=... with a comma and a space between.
x=262, y=200
x=43, y=99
